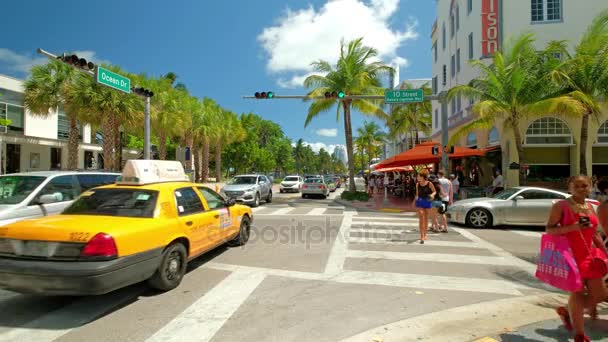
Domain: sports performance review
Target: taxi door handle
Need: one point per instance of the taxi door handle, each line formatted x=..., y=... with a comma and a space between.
x=189, y=223
x=216, y=216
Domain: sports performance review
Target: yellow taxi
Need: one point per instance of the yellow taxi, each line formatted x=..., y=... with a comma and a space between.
x=147, y=226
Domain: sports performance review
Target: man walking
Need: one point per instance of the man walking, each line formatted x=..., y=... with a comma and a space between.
x=498, y=183
x=455, y=187
x=446, y=198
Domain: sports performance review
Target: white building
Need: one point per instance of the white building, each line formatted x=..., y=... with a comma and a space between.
x=36, y=143
x=340, y=153
x=473, y=29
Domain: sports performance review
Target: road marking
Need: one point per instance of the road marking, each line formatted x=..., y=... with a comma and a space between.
x=383, y=218
x=335, y=261
x=256, y=209
x=317, y=211
x=375, y=223
x=282, y=211
x=527, y=233
x=396, y=231
x=203, y=319
x=433, y=257
x=389, y=241
x=73, y=315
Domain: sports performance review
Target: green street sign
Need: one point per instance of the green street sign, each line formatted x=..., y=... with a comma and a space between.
x=403, y=96
x=112, y=80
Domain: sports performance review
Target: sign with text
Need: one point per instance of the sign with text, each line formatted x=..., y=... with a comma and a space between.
x=489, y=27
x=112, y=80
x=403, y=96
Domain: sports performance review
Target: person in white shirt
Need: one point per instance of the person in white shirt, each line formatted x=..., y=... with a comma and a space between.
x=455, y=187
x=498, y=183
x=446, y=197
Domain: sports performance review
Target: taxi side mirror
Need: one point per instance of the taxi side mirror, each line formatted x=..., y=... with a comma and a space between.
x=230, y=202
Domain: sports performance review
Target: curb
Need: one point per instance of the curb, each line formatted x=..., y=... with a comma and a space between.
x=468, y=323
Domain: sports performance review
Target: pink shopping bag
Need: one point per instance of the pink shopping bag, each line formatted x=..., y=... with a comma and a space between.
x=556, y=264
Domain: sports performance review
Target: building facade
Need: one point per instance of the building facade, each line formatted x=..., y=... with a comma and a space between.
x=34, y=142
x=473, y=29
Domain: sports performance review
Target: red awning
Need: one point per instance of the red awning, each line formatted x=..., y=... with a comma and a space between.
x=423, y=154
x=492, y=148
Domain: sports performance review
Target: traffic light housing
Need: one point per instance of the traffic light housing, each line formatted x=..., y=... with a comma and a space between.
x=77, y=62
x=142, y=92
x=446, y=149
x=334, y=94
x=264, y=95
x=435, y=150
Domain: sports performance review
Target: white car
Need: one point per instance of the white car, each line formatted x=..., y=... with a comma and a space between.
x=291, y=184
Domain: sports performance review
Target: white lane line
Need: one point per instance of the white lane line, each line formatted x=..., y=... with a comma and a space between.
x=377, y=223
x=317, y=211
x=335, y=261
x=336, y=208
x=420, y=281
x=396, y=231
x=527, y=233
x=389, y=241
x=282, y=211
x=387, y=218
x=74, y=316
x=529, y=267
x=433, y=257
x=203, y=319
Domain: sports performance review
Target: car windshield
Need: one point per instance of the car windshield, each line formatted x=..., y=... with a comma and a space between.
x=243, y=180
x=14, y=189
x=291, y=179
x=115, y=202
x=314, y=181
x=505, y=194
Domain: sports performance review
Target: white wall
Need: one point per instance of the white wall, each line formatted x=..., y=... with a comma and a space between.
x=41, y=127
x=44, y=154
x=10, y=83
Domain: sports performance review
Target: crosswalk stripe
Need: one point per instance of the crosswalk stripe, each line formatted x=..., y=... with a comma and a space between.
x=317, y=211
x=396, y=231
x=527, y=233
x=256, y=209
x=389, y=218
x=203, y=319
x=335, y=261
x=283, y=211
x=433, y=257
x=375, y=223
x=389, y=241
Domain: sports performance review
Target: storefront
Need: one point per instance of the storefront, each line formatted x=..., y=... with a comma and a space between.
x=600, y=152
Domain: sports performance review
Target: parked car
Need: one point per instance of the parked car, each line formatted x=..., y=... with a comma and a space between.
x=314, y=186
x=526, y=206
x=331, y=184
x=249, y=189
x=34, y=194
x=338, y=182
x=291, y=184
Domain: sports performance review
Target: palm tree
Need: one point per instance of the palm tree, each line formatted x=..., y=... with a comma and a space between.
x=229, y=131
x=585, y=75
x=299, y=155
x=517, y=85
x=354, y=74
x=371, y=136
x=45, y=90
x=360, y=145
x=206, y=132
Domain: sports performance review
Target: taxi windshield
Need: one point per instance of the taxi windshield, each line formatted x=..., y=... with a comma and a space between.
x=115, y=202
x=14, y=189
x=243, y=180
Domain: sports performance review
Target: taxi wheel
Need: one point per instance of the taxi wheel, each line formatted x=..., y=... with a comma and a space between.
x=269, y=198
x=172, y=268
x=243, y=235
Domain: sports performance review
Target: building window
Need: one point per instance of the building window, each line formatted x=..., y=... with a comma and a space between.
x=471, y=140
x=602, y=134
x=445, y=75
x=493, y=138
x=434, y=85
x=546, y=10
x=63, y=125
x=452, y=25
x=453, y=66
x=458, y=103
x=457, y=18
x=458, y=60
x=436, y=118
x=469, y=6
x=435, y=51
x=471, y=51
x=453, y=106
x=15, y=114
x=443, y=35
x=548, y=131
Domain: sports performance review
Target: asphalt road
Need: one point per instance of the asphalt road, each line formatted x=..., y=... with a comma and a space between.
x=312, y=271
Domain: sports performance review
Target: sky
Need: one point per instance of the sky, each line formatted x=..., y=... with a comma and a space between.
x=226, y=49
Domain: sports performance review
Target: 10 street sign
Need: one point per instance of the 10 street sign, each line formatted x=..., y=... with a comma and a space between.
x=403, y=96
x=112, y=80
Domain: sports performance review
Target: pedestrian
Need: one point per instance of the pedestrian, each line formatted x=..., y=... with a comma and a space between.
x=498, y=183
x=425, y=192
x=446, y=199
x=575, y=219
x=370, y=185
x=455, y=187
x=595, y=193
x=379, y=183
x=437, y=204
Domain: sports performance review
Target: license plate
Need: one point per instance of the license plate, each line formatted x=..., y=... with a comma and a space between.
x=36, y=248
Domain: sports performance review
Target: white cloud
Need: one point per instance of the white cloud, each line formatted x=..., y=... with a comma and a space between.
x=317, y=146
x=303, y=36
x=327, y=132
x=22, y=63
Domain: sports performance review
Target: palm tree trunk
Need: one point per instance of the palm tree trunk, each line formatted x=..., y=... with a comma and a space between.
x=205, y=167
x=520, y=150
x=73, y=144
x=584, y=141
x=196, y=157
x=107, y=144
x=218, y=162
x=117, y=145
x=348, y=133
x=369, y=157
x=162, y=145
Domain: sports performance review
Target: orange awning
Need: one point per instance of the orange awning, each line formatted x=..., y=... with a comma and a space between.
x=423, y=154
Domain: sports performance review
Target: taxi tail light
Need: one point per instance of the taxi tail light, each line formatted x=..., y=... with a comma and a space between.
x=101, y=245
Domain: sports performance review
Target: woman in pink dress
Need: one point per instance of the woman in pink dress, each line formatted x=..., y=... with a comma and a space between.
x=576, y=219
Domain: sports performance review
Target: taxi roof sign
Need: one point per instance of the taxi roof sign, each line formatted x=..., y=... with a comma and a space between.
x=141, y=172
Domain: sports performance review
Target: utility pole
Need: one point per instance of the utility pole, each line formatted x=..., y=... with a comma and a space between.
x=147, y=129
x=444, y=134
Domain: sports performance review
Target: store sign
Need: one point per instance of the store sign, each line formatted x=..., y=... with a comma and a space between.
x=489, y=27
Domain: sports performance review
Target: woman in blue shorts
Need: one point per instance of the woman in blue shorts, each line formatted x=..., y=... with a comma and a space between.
x=425, y=192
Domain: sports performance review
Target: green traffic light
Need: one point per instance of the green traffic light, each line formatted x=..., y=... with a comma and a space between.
x=270, y=94
x=340, y=94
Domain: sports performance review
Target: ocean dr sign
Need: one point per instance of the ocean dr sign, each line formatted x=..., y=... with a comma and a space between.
x=489, y=27
x=113, y=80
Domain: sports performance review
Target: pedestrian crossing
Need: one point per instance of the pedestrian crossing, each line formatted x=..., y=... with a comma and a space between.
x=285, y=210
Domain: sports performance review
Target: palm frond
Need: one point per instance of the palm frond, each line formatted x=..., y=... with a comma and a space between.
x=317, y=107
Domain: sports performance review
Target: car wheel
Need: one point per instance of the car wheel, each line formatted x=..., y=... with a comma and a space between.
x=269, y=198
x=244, y=233
x=304, y=196
x=281, y=191
x=479, y=218
x=172, y=268
x=256, y=202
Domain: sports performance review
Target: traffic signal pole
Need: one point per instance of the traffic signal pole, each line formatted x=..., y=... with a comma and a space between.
x=147, y=128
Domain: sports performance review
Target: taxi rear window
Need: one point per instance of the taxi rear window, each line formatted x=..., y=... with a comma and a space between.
x=115, y=202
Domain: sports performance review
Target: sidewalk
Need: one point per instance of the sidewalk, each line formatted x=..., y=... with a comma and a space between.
x=394, y=204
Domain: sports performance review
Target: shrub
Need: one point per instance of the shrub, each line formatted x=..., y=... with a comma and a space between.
x=355, y=196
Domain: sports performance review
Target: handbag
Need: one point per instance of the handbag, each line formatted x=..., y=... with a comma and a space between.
x=556, y=265
x=598, y=263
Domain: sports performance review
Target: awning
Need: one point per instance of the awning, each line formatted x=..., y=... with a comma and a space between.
x=423, y=154
x=492, y=148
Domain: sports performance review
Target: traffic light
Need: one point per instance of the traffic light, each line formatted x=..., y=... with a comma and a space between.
x=77, y=62
x=435, y=150
x=448, y=149
x=334, y=94
x=264, y=95
x=142, y=92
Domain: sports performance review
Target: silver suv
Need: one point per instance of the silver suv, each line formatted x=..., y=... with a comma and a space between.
x=34, y=194
x=249, y=189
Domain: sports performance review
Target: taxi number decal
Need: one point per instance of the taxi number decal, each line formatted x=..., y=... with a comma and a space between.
x=80, y=237
x=225, y=219
x=3, y=231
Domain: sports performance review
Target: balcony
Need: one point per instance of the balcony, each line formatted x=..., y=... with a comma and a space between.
x=460, y=117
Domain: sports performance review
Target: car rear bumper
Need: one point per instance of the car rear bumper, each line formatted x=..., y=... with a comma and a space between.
x=315, y=192
x=76, y=278
x=290, y=188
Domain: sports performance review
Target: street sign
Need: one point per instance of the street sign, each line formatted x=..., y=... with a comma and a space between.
x=403, y=96
x=112, y=80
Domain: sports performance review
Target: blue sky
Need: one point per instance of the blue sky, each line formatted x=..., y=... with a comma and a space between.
x=225, y=49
